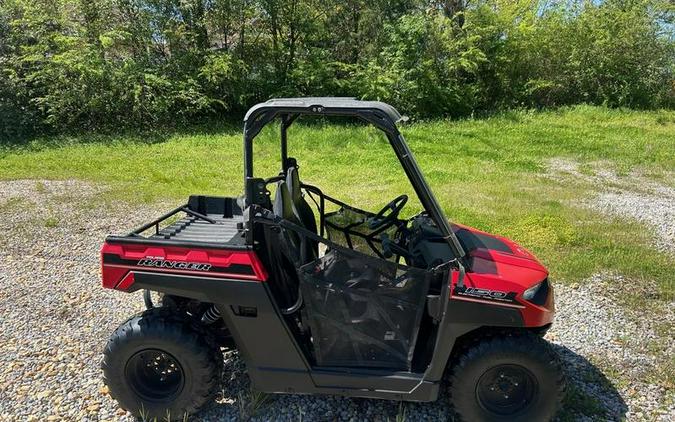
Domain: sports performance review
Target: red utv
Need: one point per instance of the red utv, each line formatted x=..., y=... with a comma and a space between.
x=321, y=297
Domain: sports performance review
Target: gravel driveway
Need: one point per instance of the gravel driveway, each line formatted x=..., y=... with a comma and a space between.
x=55, y=319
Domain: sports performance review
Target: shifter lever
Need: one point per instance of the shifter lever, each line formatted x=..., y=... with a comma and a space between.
x=389, y=247
x=386, y=246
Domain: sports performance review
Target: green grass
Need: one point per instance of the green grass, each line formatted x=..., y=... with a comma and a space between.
x=51, y=222
x=486, y=173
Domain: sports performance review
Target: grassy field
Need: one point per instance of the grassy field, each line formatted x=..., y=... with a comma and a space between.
x=491, y=174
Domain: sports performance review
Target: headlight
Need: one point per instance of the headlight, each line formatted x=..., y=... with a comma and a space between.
x=537, y=294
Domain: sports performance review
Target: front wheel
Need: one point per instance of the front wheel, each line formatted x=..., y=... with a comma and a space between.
x=163, y=365
x=510, y=378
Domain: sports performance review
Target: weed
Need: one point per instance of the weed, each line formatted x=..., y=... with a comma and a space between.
x=40, y=187
x=13, y=204
x=251, y=403
x=577, y=402
x=401, y=414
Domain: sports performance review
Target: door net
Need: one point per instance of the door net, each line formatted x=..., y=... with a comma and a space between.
x=348, y=227
x=363, y=311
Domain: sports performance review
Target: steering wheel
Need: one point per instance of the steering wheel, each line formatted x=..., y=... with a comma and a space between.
x=388, y=215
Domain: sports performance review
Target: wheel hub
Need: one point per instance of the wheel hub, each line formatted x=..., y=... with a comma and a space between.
x=155, y=375
x=506, y=389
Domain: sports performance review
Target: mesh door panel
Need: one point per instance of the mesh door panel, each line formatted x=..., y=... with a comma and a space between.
x=363, y=311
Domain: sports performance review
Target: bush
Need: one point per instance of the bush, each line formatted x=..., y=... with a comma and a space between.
x=71, y=65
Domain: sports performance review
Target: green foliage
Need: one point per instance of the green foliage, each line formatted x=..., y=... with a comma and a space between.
x=424, y=67
x=73, y=65
x=616, y=53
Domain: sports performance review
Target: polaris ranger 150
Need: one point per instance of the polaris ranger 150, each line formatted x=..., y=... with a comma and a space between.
x=321, y=297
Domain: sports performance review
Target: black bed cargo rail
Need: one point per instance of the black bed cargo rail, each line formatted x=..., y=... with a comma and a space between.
x=211, y=222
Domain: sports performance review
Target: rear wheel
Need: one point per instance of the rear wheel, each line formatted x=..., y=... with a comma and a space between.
x=510, y=378
x=162, y=365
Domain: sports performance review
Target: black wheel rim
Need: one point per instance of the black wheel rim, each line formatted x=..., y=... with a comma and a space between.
x=155, y=376
x=506, y=390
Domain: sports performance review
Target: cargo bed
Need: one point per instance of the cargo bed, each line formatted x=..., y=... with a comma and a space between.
x=213, y=222
x=195, y=229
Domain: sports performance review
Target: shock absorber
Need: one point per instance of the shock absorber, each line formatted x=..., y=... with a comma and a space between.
x=211, y=315
x=147, y=298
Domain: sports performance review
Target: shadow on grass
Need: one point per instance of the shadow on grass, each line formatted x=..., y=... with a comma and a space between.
x=590, y=396
x=145, y=136
x=230, y=125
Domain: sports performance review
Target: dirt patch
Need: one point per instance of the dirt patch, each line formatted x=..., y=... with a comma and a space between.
x=35, y=190
x=631, y=196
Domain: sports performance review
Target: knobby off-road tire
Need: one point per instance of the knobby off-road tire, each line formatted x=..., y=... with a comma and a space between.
x=159, y=363
x=507, y=378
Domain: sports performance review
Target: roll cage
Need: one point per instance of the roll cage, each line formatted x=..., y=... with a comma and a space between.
x=379, y=114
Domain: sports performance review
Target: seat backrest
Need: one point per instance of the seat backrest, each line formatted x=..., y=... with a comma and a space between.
x=302, y=249
x=284, y=248
x=283, y=204
x=301, y=208
x=304, y=210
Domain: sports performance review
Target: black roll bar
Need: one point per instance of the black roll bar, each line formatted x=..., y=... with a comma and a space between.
x=379, y=114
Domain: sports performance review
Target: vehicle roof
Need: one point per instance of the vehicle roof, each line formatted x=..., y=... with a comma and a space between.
x=324, y=105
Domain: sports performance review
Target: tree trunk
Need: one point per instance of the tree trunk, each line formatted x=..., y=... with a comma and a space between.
x=454, y=9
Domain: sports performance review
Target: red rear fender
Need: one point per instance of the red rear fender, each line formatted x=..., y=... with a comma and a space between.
x=119, y=261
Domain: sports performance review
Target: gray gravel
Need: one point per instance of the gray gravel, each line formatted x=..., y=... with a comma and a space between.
x=55, y=319
x=595, y=334
x=633, y=196
x=659, y=213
